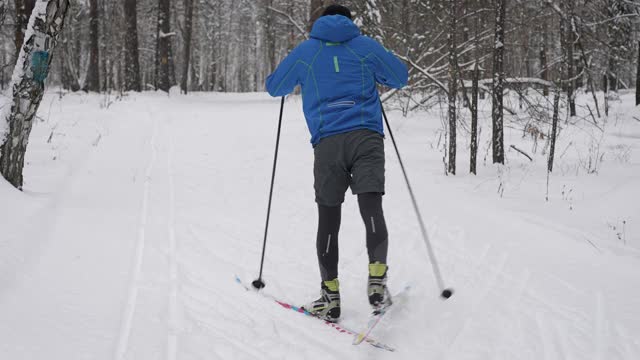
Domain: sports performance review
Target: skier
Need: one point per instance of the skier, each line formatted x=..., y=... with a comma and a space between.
x=337, y=69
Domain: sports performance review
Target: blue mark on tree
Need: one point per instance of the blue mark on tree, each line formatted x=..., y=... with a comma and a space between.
x=40, y=66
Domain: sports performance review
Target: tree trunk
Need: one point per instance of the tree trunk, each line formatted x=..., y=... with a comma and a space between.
x=30, y=73
x=606, y=95
x=474, y=105
x=24, y=8
x=92, y=82
x=474, y=119
x=554, y=128
x=587, y=68
x=188, y=30
x=543, y=57
x=269, y=42
x=131, y=53
x=571, y=84
x=165, y=60
x=638, y=78
x=453, y=86
x=498, y=83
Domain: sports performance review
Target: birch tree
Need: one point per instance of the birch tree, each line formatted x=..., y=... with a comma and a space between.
x=29, y=75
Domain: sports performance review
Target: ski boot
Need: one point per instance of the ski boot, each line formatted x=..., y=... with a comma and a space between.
x=379, y=296
x=327, y=307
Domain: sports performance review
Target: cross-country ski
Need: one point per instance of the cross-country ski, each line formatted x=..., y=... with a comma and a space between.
x=377, y=315
x=300, y=310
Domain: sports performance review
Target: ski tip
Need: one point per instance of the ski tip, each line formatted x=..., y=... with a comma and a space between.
x=358, y=339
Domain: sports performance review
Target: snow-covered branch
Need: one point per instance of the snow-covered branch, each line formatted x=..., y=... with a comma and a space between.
x=425, y=73
x=300, y=28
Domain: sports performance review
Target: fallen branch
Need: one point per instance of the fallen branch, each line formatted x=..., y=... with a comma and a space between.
x=521, y=152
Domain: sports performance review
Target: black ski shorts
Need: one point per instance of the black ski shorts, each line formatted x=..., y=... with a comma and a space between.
x=354, y=159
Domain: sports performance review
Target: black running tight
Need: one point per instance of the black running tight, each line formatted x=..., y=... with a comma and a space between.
x=329, y=227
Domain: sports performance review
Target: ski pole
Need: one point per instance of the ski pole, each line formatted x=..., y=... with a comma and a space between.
x=446, y=292
x=258, y=283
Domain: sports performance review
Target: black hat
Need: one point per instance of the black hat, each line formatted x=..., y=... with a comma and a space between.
x=337, y=10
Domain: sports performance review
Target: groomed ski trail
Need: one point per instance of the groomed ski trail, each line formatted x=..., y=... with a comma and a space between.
x=156, y=217
x=132, y=298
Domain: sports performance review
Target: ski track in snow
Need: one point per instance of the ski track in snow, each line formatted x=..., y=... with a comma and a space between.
x=172, y=341
x=527, y=283
x=130, y=308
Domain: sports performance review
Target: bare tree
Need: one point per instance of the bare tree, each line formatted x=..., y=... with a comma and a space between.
x=188, y=30
x=131, y=53
x=30, y=73
x=92, y=82
x=498, y=82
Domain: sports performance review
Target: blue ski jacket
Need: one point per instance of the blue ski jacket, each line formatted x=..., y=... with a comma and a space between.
x=338, y=69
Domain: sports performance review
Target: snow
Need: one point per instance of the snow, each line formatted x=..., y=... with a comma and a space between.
x=136, y=218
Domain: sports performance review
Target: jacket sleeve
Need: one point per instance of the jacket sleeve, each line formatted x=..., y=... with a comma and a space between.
x=287, y=75
x=388, y=69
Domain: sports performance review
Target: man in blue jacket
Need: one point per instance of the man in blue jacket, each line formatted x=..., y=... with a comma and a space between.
x=338, y=69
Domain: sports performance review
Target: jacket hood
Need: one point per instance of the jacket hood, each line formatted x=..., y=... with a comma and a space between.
x=334, y=28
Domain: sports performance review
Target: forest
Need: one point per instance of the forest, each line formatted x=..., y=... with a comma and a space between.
x=232, y=45
x=457, y=51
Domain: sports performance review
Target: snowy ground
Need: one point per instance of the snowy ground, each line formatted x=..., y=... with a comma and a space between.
x=138, y=213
